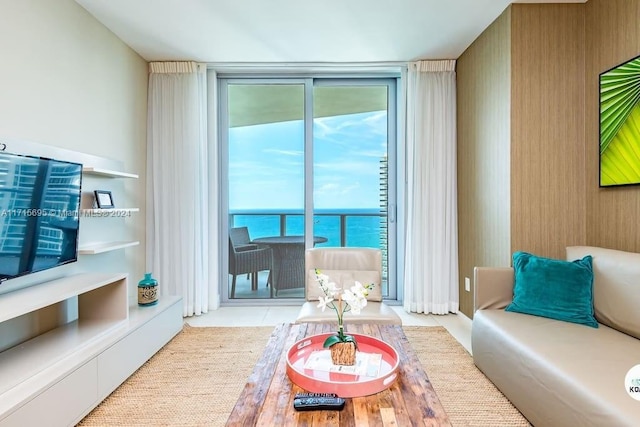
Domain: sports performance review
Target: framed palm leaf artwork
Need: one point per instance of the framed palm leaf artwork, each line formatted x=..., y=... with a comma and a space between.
x=620, y=124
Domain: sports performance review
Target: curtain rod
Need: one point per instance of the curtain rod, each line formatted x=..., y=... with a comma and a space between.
x=297, y=67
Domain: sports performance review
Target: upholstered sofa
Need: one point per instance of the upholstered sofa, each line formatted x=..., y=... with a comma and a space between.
x=559, y=373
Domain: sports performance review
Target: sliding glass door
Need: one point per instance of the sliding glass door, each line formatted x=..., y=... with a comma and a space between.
x=350, y=173
x=304, y=155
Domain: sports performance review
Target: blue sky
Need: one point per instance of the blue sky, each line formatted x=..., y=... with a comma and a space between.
x=266, y=163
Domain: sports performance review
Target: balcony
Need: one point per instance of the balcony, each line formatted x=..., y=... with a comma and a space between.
x=346, y=227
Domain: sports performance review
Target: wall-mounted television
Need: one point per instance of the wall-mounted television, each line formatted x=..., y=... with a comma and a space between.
x=39, y=213
x=620, y=124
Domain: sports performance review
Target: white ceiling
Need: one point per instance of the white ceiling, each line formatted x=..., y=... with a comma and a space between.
x=298, y=31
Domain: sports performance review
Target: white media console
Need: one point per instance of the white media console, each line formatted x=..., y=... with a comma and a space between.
x=60, y=375
x=67, y=342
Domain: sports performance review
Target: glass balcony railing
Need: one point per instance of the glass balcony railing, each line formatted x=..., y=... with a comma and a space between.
x=344, y=228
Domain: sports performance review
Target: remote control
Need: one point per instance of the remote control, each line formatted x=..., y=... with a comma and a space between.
x=317, y=402
x=307, y=395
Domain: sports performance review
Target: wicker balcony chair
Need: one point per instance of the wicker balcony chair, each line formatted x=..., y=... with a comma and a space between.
x=247, y=258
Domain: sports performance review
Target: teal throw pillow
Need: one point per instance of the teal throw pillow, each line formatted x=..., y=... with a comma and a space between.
x=561, y=290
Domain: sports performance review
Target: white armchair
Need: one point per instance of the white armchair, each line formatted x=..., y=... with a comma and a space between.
x=344, y=266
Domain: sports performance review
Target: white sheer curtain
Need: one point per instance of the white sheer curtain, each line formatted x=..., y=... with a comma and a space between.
x=177, y=183
x=431, y=252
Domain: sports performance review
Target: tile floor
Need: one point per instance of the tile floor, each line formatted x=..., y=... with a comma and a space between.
x=458, y=325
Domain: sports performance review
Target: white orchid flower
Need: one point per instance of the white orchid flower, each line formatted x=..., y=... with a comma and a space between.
x=355, y=298
x=359, y=290
x=332, y=289
x=324, y=301
x=328, y=288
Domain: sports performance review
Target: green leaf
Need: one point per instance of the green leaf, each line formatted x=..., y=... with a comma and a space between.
x=350, y=338
x=331, y=340
x=620, y=163
x=335, y=339
x=619, y=94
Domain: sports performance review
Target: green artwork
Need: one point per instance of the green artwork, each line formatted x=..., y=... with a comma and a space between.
x=620, y=124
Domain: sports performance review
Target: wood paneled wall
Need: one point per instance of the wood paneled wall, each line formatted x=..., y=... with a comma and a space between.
x=483, y=88
x=483, y=98
x=547, y=129
x=521, y=138
x=613, y=36
x=555, y=55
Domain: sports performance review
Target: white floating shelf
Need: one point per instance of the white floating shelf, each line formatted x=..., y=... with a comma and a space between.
x=98, y=248
x=108, y=173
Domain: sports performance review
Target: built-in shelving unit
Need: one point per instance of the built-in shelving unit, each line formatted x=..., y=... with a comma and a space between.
x=93, y=248
x=67, y=343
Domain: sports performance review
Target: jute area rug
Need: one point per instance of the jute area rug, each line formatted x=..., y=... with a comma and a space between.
x=197, y=377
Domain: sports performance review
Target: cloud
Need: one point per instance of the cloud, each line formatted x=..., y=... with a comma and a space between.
x=336, y=189
x=349, y=168
x=276, y=151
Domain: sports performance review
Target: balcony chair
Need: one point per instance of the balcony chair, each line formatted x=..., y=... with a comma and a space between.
x=344, y=266
x=247, y=258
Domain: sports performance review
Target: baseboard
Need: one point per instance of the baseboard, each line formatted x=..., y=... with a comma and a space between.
x=464, y=317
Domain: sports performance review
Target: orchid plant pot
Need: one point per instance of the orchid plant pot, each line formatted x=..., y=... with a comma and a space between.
x=343, y=353
x=343, y=347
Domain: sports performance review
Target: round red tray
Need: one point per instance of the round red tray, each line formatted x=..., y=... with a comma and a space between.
x=342, y=384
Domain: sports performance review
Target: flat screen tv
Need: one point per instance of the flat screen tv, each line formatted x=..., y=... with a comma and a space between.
x=39, y=213
x=620, y=124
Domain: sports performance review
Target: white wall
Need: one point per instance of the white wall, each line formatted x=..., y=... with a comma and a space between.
x=68, y=82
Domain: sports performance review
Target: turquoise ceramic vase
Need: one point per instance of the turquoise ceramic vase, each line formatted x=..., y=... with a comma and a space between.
x=147, y=290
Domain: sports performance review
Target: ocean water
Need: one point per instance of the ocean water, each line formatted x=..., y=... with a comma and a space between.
x=364, y=227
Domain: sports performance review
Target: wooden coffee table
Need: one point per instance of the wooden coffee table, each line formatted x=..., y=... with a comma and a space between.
x=267, y=398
